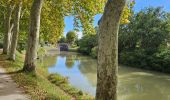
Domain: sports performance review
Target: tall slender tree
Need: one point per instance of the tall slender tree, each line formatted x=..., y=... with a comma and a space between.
x=33, y=36
x=7, y=25
x=15, y=31
x=107, y=68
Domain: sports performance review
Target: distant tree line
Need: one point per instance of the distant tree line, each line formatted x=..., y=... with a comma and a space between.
x=143, y=43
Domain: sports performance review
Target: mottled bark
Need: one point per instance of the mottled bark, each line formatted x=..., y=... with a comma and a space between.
x=15, y=31
x=11, y=33
x=7, y=33
x=33, y=36
x=107, y=68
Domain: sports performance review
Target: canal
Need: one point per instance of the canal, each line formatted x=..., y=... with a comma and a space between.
x=133, y=84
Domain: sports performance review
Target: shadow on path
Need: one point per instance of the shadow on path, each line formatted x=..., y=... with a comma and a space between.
x=8, y=88
x=15, y=72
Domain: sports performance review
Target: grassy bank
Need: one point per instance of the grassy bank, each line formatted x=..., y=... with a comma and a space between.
x=65, y=86
x=37, y=86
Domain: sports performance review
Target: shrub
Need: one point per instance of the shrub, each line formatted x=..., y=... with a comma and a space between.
x=62, y=82
x=159, y=61
x=87, y=43
x=94, y=52
x=84, y=50
x=133, y=58
x=57, y=79
x=163, y=59
x=21, y=46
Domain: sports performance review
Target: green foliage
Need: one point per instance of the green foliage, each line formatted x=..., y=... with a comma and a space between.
x=85, y=10
x=1, y=39
x=143, y=42
x=69, y=61
x=52, y=20
x=71, y=37
x=64, y=85
x=22, y=40
x=62, y=40
x=41, y=52
x=159, y=61
x=148, y=30
x=94, y=52
x=87, y=43
x=135, y=58
x=163, y=60
x=2, y=13
x=1, y=36
x=57, y=79
x=24, y=25
x=21, y=46
x=38, y=87
x=151, y=29
x=1, y=45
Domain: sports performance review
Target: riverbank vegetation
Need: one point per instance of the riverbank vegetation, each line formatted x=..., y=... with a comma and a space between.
x=42, y=85
x=63, y=83
x=88, y=45
x=143, y=43
x=143, y=40
x=37, y=86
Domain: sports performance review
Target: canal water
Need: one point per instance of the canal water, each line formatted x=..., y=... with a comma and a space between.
x=133, y=84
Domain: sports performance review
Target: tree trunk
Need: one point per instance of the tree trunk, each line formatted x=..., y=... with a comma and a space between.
x=15, y=32
x=107, y=68
x=33, y=36
x=7, y=34
x=11, y=33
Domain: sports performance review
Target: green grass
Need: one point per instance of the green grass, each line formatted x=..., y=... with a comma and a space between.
x=42, y=85
x=37, y=86
x=62, y=82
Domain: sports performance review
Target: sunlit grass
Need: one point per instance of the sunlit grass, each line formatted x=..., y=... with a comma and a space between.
x=42, y=85
x=62, y=82
x=37, y=86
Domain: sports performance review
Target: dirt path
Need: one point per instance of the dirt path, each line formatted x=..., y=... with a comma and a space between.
x=8, y=88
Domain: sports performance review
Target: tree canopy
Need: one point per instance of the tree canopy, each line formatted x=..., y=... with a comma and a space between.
x=71, y=37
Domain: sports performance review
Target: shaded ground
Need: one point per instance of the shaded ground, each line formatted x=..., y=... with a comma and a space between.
x=8, y=88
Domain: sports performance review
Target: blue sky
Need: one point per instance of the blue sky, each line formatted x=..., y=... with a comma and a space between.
x=140, y=4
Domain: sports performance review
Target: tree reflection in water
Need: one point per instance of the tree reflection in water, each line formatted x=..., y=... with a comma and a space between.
x=47, y=61
x=70, y=59
x=134, y=84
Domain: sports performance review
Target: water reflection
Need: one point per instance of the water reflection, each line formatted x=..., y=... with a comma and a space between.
x=69, y=61
x=47, y=61
x=87, y=68
x=134, y=84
